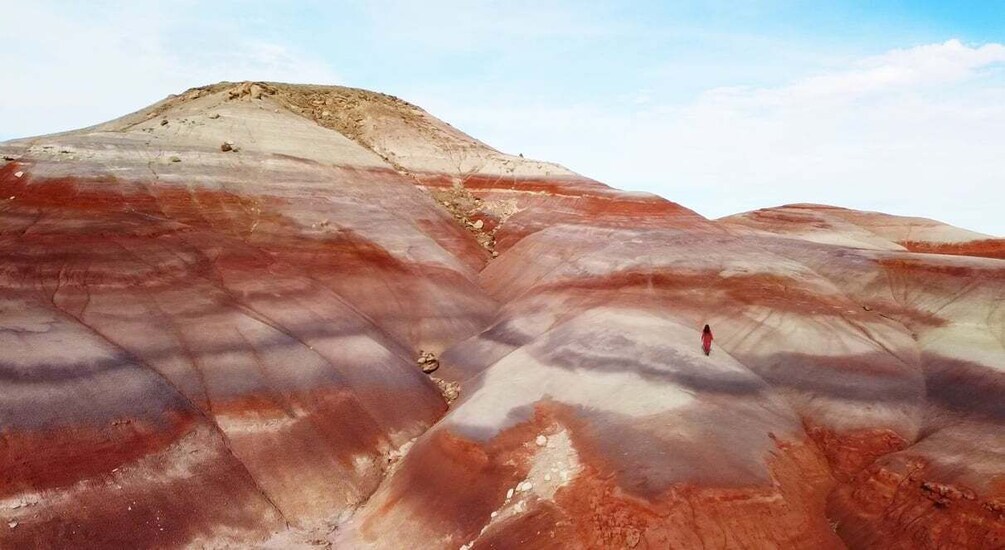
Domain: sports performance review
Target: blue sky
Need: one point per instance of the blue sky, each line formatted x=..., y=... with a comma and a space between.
x=721, y=106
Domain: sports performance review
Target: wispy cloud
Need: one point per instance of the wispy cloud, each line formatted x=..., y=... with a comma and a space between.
x=914, y=131
x=912, y=69
x=71, y=65
x=722, y=108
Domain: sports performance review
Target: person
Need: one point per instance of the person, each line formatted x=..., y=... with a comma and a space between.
x=706, y=340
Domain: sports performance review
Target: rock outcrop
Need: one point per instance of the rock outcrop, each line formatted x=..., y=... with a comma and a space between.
x=209, y=345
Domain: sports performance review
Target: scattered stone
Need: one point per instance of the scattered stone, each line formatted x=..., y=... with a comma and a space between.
x=12, y=524
x=175, y=159
x=942, y=494
x=541, y=441
x=227, y=146
x=326, y=114
x=11, y=198
x=493, y=514
x=9, y=158
x=547, y=477
x=633, y=537
x=255, y=91
x=867, y=308
x=164, y=122
x=478, y=224
x=18, y=174
x=509, y=494
x=427, y=362
x=450, y=390
x=495, y=253
x=524, y=487
x=214, y=116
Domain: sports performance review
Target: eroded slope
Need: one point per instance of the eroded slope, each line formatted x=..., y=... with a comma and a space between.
x=211, y=310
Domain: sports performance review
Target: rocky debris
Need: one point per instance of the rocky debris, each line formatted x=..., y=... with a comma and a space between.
x=9, y=158
x=228, y=146
x=942, y=494
x=18, y=174
x=175, y=159
x=164, y=122
x=12, y=524
x=996, y=507
x=450, y=390
x=250, y=90
x=541, y=440
x=428, y=362
x=464, y=206
x=344, y=109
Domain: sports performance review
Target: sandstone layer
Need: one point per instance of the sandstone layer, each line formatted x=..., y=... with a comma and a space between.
x=211, y=311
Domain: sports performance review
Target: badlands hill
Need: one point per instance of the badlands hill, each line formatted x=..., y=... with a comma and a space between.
x=211, y=312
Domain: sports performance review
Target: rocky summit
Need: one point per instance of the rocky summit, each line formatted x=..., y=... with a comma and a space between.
x=260, y=314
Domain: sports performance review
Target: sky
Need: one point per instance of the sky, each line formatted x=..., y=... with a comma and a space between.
x=722, y=106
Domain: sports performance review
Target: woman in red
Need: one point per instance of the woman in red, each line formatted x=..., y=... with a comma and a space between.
x=706, y=340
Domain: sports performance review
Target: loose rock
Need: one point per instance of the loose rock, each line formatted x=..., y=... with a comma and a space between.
x=427, y=362
x=18, y=174
x=541, y=441
x=450, y=390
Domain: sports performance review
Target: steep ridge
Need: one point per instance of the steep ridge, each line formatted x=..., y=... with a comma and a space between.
x=213, y=307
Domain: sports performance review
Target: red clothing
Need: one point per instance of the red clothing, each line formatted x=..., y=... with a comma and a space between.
x=706, y=342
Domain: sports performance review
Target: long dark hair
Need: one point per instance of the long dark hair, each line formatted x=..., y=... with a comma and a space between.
x=708, y=330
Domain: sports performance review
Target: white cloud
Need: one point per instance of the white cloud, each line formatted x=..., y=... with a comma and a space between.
x=69, y=65
x=906, y=69
x=914, y=131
